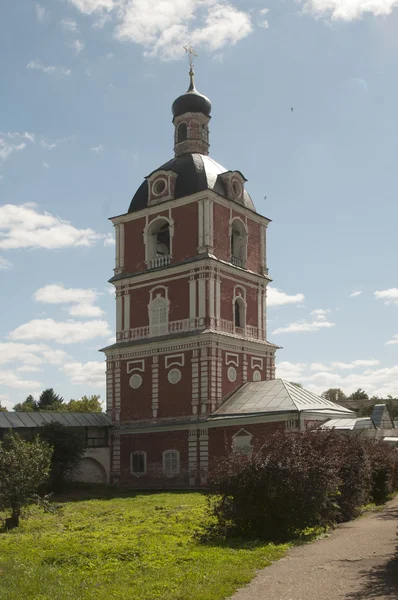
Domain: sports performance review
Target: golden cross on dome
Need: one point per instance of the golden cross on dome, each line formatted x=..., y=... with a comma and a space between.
x=192, y=55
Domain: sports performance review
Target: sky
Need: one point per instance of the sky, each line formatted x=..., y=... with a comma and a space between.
x=85, y=115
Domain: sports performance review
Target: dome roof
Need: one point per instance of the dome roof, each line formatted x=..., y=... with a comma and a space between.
x=191, y=101
x=195, y=173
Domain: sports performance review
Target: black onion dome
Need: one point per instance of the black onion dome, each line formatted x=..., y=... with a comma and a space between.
x=195, y=173
x=191, y=101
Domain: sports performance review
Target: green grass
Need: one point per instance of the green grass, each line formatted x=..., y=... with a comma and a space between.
x=135, y=548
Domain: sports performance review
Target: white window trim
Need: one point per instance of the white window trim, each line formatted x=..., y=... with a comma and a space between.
x=158, y=328
x=167, y=473
x=141, y=452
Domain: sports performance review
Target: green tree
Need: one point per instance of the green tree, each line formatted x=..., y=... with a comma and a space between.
x=68, y=447
x=29, y=405
x=296, y=384
x=49, y=401
x=85, y=404
x=359, y=394
x=3, y=408
x=334, y=395
x=23, y=467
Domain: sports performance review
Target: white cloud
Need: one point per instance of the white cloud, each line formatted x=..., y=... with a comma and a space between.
x=264, y=24
x=276, y=297
x=4, y=264
x=81, y=299
x=70, y=25
x=37, y=65
x=1, y=177
x=23, y=226
x=77, y=46
x=348, y=10
x=30, y=354
x=61, y=332
x=355, y=363
x=393, y=341
x=389, y=296
x=5, y=401
x=163, y=26
x=46, y=165
x=41, y=13
x=109, y=240
x=379, y=382
x=319, y=322
x=11, y=380
x=97, y=149
x=28, y=369
x=355, y=294
x=111, y=290
x=13, y=142
x=89, y=373
x=47, y=145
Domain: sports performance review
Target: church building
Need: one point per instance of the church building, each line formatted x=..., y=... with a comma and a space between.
x=192, y=374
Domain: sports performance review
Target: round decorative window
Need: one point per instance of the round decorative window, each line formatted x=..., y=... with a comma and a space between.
x=256, y=376
x=236, y=188
x=232, y=374
x=135, y=381
x=174, y=375
x=159, y=186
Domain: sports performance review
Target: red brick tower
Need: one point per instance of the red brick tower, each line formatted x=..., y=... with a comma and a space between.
x=190, y=279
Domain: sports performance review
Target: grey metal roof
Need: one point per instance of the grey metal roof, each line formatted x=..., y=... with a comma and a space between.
x=349, y=424
x=276, y=395
x=17, y=420
x=195, y=173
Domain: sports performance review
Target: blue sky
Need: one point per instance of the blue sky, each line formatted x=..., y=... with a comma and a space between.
x=87, y=87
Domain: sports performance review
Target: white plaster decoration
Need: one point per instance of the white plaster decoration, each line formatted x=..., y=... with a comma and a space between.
x=262, y=248
x=135, y=365
x=117, y=390
x=203, y=454
x=211, y=226
x=232, y=359
x=172, y=327
x=192, y=297
x=158, y=291
x=119, y=313
x=135, y=381
x=121, y=246
x=239, y=238
x=195, y=382
x=126, y=308
x=244, y=368
x=117, y=245
x=174, y=376
x=204, y=380
x=211, y=298
x=161, y=185
x=232, y=374
x=200, y=224
x=202, y=296
x=265, y=315
x=213, y=380
x=115, y=454
x=158, y=315
x=206, y=224
x=241, y=442
x=155, y=386
x=256, y=361
x=219, y=377
x=192, y=455
x=109, y=387
x=156, y=253
x=218, y=298
x=260, y=307
x=256, y=376
x=174, y=359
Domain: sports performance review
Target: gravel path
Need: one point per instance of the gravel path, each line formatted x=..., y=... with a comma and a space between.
x=356, y=562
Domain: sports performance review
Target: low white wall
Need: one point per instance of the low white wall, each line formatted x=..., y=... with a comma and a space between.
x=94, y=466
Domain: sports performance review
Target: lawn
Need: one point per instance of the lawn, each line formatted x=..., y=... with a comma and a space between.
x=137, y=548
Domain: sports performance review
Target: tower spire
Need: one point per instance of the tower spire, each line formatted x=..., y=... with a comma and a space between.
x=192, y=55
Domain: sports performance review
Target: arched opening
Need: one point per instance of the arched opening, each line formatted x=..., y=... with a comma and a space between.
x=238, y=243
x=89, y=470
x=159, y=244
x=182, y=132
x=239, y=313
x=159, y=316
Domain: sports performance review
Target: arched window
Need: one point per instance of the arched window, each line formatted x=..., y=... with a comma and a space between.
x=138, y=463
x=241, y=442
x=238, y=243
x=171, y=462
x=239, y=313
x=159, y=316
x=158, y=240
x=182, y=132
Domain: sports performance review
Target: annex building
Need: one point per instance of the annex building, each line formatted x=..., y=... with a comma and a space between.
x=192, y=372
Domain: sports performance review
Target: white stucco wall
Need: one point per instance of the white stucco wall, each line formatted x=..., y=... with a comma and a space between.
x=94, y=466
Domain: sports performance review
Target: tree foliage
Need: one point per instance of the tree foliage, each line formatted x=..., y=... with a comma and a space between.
x=85, y=404
x=359, y=394
x=23, y=467
x=50, y=401
x=3, y=408
x=68, y=448
x=29, y=405
x=334, y=395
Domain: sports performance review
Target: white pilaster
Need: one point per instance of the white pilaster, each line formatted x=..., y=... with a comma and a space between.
x=121, y=246
x=219, y=378
x=117, y=245
x=264, y=314
x=202, y=296
x=262, y=248
x=119, y=312
x=206, y=223
x=204, y=380
x=218, y=298
x=200, y=223
x=203, y=454
x=126, y=310
x=109, y=388
x=155, y=386
x=192, y=455
x=259, y=309
x=244, y=368
x=115, y=454
x=192, y=297
x=195, y=382
x=117, y=391
x=213, y=379
x=211, y=298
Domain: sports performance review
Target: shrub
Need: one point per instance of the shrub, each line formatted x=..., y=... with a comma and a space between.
x=384, y=474
x=287, y=485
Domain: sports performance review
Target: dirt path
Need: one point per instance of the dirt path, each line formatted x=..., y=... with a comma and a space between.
x=356, y=562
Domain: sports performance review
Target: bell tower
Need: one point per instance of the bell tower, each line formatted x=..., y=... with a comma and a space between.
x=190, y=279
